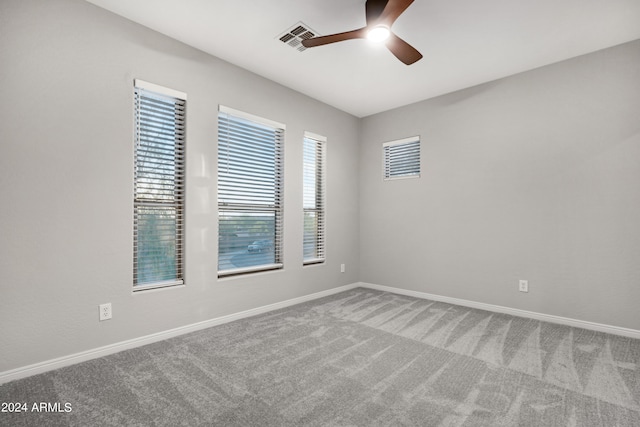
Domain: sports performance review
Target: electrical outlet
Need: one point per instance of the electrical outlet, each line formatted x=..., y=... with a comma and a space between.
x=342, y=268
x=105, y=311
x=523, y=285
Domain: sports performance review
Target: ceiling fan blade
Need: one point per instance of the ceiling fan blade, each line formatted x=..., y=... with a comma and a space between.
x=392, y=11
x=402, y=50
x=373, y=9
x=333, y=38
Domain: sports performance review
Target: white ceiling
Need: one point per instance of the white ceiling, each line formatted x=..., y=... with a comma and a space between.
x=464, y=42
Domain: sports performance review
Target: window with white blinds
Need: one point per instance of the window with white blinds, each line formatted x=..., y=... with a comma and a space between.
x=159, y=186
x=314, y=147
x=250, y=192
x=402, y=158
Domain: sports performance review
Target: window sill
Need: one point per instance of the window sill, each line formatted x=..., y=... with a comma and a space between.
x=247, y=270
x=398, y=177
x=159, y=285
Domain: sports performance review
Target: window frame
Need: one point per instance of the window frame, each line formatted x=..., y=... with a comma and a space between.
x=402, y=144
x=227, y=113
x=142, y=197
x=319, y=143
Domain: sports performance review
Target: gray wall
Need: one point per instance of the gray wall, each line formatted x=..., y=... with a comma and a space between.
x=66, y=177
x=535, y=176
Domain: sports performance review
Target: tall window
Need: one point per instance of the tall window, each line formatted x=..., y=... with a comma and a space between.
x=313, y=198
x=402, y=158
x=250, y=190
x=159, y=180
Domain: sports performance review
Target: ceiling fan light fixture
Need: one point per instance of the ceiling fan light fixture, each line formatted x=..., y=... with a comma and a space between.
x=380, y=16
x=379, y=33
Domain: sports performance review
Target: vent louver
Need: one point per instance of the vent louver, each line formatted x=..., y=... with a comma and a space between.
x=294, y=36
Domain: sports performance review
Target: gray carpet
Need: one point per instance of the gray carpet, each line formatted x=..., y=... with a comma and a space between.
x=358, y=358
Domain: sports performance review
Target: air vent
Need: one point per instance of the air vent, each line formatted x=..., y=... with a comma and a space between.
x=296, y=34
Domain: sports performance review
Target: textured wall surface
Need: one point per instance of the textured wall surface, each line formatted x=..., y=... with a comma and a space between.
x=66, y=182
x=535, y=176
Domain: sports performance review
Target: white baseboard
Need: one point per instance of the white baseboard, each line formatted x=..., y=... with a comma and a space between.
x=599, y=327
x=61, y=362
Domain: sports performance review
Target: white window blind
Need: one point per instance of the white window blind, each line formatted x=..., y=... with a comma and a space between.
x=159, y=187
x=402, y=158
x=250, y=191
x=314, y=198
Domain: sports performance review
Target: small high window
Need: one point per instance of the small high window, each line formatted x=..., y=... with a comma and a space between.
x=402, y=158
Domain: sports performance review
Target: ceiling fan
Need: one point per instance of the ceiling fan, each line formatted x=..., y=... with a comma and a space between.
x=380, y=16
